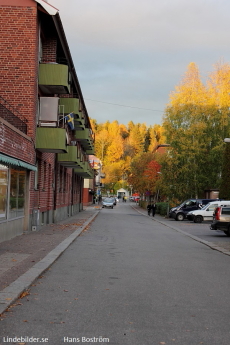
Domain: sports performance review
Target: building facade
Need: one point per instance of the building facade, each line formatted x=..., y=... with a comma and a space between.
x=45, y=132
x=92, y=187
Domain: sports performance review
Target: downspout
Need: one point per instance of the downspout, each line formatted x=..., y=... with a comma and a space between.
x=81, y=194
x=72, y=194
x=55, y=188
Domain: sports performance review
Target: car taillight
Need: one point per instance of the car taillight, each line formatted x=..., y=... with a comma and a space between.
x=217, y=213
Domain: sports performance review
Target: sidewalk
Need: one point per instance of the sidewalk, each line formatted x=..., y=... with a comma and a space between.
x=24, y=258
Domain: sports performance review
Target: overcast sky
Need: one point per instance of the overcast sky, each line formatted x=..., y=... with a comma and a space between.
x=134, y=53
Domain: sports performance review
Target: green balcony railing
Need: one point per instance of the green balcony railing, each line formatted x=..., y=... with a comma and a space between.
x=71, y=105
x=54, y=78
x=70, y=159
x=85, y=171
x=86, y=139
x=51, y=140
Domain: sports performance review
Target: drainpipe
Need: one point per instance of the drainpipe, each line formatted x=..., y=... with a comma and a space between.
x=55, y=187
x=72, y=194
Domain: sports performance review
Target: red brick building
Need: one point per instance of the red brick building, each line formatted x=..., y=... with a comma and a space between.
x=45, y=133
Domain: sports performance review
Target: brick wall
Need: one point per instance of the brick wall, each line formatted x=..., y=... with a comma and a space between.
x=49, y=50
x=19, y=60
x=15, y=144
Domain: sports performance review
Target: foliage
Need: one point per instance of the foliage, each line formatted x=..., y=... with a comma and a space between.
x=225, y=182
x=162, y=208
x=125, y=152
x=144, y=172
x=195, y=123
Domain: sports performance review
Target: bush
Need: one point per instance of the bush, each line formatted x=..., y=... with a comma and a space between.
x=162, y=208
x=143, y=204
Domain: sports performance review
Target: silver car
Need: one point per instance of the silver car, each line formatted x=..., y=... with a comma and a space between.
x=108, y=202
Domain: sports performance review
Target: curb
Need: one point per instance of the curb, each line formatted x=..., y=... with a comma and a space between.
x=206, y=243
x=12, y=292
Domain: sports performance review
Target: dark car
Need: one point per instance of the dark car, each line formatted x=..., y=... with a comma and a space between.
x=221, y=219
x=180, y=212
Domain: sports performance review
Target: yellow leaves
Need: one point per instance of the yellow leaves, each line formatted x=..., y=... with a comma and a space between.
x=115, y=150
x=24, y=294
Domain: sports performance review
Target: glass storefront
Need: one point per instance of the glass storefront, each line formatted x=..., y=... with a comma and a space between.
x=3, y=191
x=12, y=192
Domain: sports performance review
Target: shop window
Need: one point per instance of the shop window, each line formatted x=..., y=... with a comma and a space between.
x=3, y=191
x=17, y=193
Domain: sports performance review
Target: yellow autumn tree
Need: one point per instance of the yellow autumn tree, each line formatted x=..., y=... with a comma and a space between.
x=191, y=128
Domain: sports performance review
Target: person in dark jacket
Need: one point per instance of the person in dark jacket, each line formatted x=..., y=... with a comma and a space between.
x=149, y=207
x=153, y=209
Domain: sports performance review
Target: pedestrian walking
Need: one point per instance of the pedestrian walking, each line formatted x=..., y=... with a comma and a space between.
x=153, y=209
x=149, y=207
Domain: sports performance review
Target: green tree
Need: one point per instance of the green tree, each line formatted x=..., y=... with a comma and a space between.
x=225, y=181
x=193, y=128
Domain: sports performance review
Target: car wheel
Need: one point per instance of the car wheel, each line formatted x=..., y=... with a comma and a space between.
x=198, y=219
x=180, y=216
x=111, y=206
x=228, y=231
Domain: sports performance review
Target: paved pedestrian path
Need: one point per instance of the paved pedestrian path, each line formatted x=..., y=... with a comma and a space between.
x=24, y=258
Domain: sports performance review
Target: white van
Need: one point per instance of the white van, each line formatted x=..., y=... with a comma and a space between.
x=206, y=213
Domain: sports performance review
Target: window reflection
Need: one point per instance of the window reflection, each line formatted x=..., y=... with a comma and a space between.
x=3, y=191
x=12, y=192
x=17, y=193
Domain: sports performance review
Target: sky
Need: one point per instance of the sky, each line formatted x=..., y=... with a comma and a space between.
x=129, y=55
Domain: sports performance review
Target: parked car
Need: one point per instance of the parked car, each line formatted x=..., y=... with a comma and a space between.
x=173, y=209
x=114, y=200
x=221, y=219
x=206, y=213
x=108, y=202
x=180, y=212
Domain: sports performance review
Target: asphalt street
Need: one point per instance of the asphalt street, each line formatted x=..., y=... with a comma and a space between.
x=127, y=280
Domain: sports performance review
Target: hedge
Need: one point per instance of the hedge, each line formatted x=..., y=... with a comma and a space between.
x=162, y=208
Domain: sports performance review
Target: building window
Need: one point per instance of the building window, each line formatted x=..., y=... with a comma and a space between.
x=12, y=192
x=17, y=193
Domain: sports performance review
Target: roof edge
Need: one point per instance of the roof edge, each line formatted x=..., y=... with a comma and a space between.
x=49, y=8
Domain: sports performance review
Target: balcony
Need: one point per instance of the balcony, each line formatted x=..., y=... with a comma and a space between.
x=54, y=79
x=85, y=171
x=70, y=159
x=51, y=140
x=86, y=139
x=71, y=105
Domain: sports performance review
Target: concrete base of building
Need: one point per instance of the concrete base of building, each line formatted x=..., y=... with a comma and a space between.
x=55, y=216
x=15, y=227
x=11, y=228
